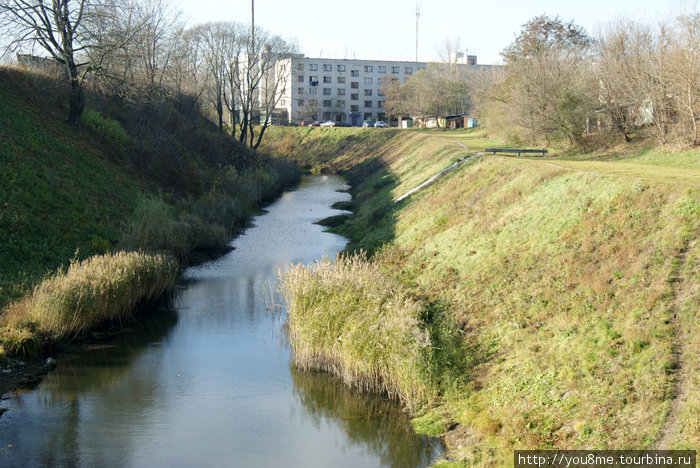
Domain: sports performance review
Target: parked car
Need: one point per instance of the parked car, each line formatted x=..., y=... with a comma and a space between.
x=368, y=123
x=342, y=124
x=328, y=123
x=381, y=124
x=306, y=123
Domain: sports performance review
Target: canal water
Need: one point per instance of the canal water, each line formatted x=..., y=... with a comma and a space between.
x=207, y=381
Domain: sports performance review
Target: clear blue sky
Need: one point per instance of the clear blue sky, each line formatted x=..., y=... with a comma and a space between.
x=385, y=29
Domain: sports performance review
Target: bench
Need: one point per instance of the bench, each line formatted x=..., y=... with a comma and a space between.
x=517, y=151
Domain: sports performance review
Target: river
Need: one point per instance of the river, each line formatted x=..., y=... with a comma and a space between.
x=207, y=380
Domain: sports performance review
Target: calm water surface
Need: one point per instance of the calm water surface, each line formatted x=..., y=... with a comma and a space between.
x=208, y=381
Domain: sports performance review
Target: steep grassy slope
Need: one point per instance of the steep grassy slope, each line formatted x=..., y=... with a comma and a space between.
x=58, y=190
x=575, y=284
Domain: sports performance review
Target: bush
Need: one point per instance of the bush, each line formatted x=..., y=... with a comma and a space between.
x=154, y=227
x=107, y=129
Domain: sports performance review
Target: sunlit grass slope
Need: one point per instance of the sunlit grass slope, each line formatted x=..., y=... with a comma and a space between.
x=575, y=284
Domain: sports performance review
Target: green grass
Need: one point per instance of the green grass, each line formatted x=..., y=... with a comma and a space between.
x=58, y=193
x=563, y=275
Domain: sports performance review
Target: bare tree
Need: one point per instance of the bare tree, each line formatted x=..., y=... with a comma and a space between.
x=260, y=82
x=58, y=27
x=546, y=92
x=683, y=70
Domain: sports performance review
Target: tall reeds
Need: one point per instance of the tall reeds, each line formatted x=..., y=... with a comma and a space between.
x=98, y=290
x=348, y=318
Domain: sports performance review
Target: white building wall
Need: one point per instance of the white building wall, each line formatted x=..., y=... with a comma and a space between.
x=344, y=90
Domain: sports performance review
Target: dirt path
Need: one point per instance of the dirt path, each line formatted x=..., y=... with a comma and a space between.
x=680, y=378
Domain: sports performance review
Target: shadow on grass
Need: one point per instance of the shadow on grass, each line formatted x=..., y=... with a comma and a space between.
x=372, y=223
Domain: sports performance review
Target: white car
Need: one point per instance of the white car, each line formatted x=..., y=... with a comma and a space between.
x=328, y=123
x=381, y=124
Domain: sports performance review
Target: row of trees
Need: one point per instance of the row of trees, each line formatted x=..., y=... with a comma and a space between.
x=141, y=51
x=559, y=83
x=442, y=88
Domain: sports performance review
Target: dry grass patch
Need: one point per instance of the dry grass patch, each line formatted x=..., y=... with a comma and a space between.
x=101, y=289
x=348, y=318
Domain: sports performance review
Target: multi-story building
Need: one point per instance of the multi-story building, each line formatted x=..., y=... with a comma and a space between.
x=341, y=90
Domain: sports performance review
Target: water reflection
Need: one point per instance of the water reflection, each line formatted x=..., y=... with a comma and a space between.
x=371, y=422
x=47, y=426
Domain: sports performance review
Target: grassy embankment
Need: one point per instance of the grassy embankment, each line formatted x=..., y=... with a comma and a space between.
x=147, y=178
x=574, y=284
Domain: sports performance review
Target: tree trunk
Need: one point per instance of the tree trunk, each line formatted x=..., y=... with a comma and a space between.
x=76, y=103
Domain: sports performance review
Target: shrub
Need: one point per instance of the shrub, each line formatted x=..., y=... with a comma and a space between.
x=107, y=129
x=154, y=227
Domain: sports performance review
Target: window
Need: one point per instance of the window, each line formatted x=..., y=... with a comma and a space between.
x=327, y=79
x=283, y=102
x=326, y=116
x=380, y=104
x=341, y=80
x=368, y=68
x=368, y=92
x=394, y=69
x=313, y=102
x=379, y=81
x=300, y=90
x=326, y=103
x=340, y=103
x=368, y=103
x=313, y=67
x=327, y=91
x=300, y=79
x=341, y=91
x=380, y=92
x=327, y=67
x=355, y=85
x=313, y=90
x=339, y=117
x=382, y=69
x=300, y=66
x=354, y=72
x=409, y=70
x=301, y=103
x=354, y=97
x=368, y=81
x=354, y=108
x=341, y=68
x=368, y=116
x=313, y=80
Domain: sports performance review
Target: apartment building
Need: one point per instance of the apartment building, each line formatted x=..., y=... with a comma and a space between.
x=340, y=90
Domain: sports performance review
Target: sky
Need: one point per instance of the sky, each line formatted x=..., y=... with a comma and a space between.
x=386, y=29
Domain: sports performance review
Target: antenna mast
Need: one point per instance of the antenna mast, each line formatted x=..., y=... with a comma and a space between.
x=417, y=16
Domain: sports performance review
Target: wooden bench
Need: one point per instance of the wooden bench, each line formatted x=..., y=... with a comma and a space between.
x=517, y=151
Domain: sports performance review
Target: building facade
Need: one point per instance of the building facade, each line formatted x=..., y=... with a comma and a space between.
x=350, y=91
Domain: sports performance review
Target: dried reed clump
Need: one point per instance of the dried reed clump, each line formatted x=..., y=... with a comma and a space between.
x=100, y=289
x=347, y=318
